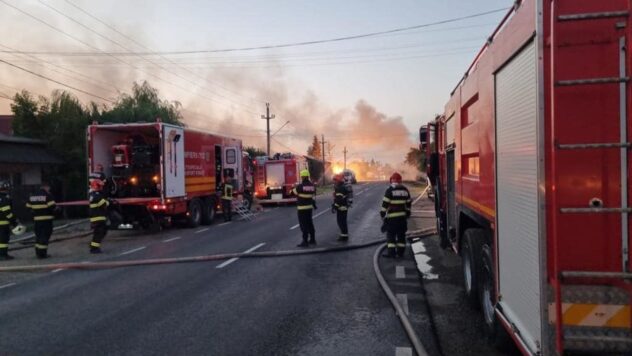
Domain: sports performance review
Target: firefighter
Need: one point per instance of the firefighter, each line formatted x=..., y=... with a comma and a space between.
x=42, y=206
x=227, y=197
x=7, y=220
x=98, y=174
x=341, y=205
x=395, y=212
x=305, y=203
x=98, y=215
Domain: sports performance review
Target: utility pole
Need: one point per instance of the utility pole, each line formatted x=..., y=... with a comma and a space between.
x=324, y=163
x=267, y=117
x=345, y=155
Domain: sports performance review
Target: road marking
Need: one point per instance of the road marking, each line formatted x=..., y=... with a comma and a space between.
x=56, y=270
x=224, y=223
x=132, y=251
x=360, y=192
x=403, y=351
x=202, y=230
x=400, y=272
x=172, y=239
x=226, y=263
x=403, y=301
x=313, y=217
x=7, y=285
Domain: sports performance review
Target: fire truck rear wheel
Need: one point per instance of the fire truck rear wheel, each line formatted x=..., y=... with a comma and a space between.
x=496, y=334
x=470, y=256
x=194, y=214
x=208, y=211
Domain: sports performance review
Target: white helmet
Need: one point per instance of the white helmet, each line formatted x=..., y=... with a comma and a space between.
x=19, y=230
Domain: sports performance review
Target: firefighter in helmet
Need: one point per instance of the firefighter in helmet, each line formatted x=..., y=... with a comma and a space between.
x=98, y=215
x=305, y=203
x=8, y=222
x=395, y=212
x=341, y=205
x=42, y=206
x=227, y=196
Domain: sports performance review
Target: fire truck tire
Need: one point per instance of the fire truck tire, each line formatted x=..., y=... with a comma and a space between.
x=208, y=211
x=470, y=263
x=194, y=214
x=495, y=333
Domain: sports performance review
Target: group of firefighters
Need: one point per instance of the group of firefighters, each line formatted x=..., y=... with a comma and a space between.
x=395, y=211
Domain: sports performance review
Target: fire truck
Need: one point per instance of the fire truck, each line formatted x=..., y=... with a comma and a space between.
x=276, y=176
x=530, y=165
x=159, y=172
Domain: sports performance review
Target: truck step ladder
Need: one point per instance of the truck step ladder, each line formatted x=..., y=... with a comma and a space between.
x=593, y=317
x=240, y=208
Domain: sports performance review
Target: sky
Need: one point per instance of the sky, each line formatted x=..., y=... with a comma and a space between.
x=370, y=94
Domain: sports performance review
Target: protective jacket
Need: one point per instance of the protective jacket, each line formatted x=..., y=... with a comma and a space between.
x=42, y=205
x=98, y=207
x=305, y=193
x=341, y=197
x=6, y=213
x=396, y=203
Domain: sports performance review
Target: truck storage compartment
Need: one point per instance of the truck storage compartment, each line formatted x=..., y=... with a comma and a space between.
x=130, y=156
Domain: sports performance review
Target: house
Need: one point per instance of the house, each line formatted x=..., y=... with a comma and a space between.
x=22, y=161
x=5, y=125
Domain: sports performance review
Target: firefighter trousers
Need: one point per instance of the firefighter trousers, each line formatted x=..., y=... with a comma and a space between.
x=341, y=217
x=227, y=209
x=307, y=224
x=43, y=231
x=5, y=234
x=396, y=236
x=99, y=230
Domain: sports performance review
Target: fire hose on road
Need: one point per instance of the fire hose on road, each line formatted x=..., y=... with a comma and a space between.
x=418, y=346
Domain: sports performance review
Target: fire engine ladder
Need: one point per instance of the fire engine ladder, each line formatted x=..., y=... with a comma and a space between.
x=242, y=210
x=599, y=338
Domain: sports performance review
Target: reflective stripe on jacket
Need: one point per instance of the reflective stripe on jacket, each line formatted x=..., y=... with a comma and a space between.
x=42, y=205
x=305, y=192
x=6, y=214
x=98, y=207
x=341, y=197
x=396, y=202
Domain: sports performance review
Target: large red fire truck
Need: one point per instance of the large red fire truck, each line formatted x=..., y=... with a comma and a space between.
x=159, y=172
x=276, y=176
x=530, y=167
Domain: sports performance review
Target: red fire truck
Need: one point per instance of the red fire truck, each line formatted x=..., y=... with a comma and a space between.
x=276, y=176
x=159, y=172
x=530, y=168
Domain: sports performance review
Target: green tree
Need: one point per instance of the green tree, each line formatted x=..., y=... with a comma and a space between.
x=416, y=158
x=254, y=151
x=315, y=150
x=143, y=105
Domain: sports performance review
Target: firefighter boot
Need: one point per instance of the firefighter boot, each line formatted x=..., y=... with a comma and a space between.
x=302, y=244
x=312, y=241
x=41, y=253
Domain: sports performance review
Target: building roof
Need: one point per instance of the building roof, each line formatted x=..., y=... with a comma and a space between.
x=21, y=150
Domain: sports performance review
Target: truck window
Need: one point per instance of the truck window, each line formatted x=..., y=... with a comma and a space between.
x=231, y=156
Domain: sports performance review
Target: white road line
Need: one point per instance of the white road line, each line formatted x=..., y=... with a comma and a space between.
x=226, y=263
x=403, y=301
x=224, y=223
x=172, y=239
x=403, y=351
x=400, y=272
x=360, y=192
x=133, y=250
x=56, y=270
x=201, y=230
x=7, y=285
x=313, y=217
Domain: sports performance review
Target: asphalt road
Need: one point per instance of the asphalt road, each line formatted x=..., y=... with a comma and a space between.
x=326, y=304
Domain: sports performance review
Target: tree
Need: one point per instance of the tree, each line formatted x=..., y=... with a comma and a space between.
x=315, y=150
x=254, y=151
x=416, y=158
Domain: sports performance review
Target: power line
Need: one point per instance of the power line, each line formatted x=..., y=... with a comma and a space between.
x=56, y=81
x=111, y=27
x=295, y=44
x=130, y=51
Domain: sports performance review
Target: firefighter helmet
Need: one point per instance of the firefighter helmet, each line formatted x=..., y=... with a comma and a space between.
x=5, y=185
x=304, y=173
x=396, y=178
x=338, y=177
x=96, y=184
